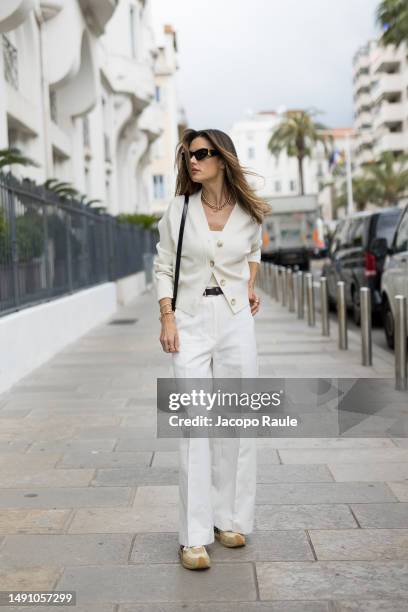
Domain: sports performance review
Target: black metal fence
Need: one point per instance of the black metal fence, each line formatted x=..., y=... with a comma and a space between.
x=51, y=246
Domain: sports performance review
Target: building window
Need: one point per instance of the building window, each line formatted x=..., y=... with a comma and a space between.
x=85, y=132
x=10, y=58
x=53, y=105
x=277, y=186
x=251, y=153
x=158, y=186
x=292, y=185
x=157, y=93
x=132, y=31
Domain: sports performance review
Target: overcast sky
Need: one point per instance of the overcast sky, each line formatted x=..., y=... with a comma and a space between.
x=240, y=55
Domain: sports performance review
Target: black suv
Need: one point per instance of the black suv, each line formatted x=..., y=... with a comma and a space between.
x=355, y=259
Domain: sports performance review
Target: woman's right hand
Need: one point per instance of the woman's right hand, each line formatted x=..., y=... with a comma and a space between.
x=169, y=335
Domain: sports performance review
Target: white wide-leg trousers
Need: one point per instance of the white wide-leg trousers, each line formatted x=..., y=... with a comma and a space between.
x=217, y=476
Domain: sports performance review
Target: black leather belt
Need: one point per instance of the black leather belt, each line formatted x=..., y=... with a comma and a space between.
x=213, y=291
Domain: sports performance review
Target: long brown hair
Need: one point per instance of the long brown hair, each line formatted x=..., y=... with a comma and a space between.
x=235, y=173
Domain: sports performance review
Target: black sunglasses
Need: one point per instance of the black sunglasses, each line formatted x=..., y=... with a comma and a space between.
x=200, y=154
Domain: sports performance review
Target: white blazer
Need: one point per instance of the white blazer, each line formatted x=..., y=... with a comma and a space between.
x=239, y=242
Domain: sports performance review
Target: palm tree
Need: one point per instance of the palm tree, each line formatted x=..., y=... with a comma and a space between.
x=364, y=190
x=12, y=156
x=297, y=134
x=389, y=178
x=392, y=16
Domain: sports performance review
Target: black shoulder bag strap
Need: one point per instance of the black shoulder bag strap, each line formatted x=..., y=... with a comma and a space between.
x=179, y=244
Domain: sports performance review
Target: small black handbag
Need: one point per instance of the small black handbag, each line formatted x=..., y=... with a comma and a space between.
x=179, y=245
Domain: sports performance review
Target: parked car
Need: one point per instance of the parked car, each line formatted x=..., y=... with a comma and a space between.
x=395, y=275
x=355, y=259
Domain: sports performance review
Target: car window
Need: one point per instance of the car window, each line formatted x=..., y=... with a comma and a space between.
x=356, y=235
x=386, y=225
x=401, y=240
x=344, y=236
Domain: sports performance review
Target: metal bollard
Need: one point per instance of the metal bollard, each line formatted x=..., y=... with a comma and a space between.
x=366, y=340
x=277, y=283
x=300, y=295
x=283, y=285
x=291, y=291
x=324, y=306
x=342, y=316
x=270, y=279
x=400, y=342
x=273, y=280
x=311, y=319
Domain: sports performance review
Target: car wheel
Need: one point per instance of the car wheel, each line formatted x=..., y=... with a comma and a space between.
x=388, y=323
x=356, y=306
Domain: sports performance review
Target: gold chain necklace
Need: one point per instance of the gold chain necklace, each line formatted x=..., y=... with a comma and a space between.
x=214, y=206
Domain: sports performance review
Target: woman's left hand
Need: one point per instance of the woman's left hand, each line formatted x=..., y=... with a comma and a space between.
x=254, y=301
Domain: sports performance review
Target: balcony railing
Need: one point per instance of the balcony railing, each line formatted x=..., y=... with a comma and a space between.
x=10, y=57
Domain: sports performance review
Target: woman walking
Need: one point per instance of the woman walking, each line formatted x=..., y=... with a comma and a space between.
x=211, y=332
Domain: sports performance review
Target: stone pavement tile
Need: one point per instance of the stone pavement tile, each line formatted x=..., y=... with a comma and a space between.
x=51, y=400
x=13, y=446
x=247, y=606
x=114, y=432
x=293, y=473
x=9, y=412
x=18, y=462
x=311, y=516
x=148, y=443
x=104, y=459
x=156, y=496
x=328, y=443
x=371, y=605
x=65, y=497
x=360, y=544
x=32, y=477
x=21, y=520
x=266, y=454
x=61, y=550
x=380, y=516
x=62, y=446
x=138, y=518
x=333, y=580
x=28, y=579
x=260, y=546
x=161, y=582
x=400, y=490
x=324, y=493
x=369, y=472
x=401, y=442
x=349, y=455
x=135, y=476
x=166, y=459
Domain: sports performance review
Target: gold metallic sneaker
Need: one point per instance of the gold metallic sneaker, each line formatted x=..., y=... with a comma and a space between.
x=194, y=557
x=232, y=539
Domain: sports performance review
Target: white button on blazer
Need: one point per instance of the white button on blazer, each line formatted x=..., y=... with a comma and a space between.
x=241, y=241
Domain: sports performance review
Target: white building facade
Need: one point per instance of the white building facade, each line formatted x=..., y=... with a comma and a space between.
x=380, y=97
x=77, y=95
x=173, y=120
x=278, y=176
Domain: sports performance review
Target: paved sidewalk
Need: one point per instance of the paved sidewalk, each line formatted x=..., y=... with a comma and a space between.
x=88, y=496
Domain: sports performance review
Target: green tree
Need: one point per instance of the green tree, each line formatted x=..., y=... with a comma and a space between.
x=298, y=134
x=13, y=156
x=364, y=191
x=388, y=177
x=392, y=16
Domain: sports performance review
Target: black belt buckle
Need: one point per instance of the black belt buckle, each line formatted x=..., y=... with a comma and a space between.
x=213, y=291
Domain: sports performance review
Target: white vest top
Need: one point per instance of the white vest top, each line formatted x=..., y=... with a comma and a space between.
x=224, y=254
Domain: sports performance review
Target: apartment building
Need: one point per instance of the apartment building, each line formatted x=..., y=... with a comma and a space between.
x=172, y=119
x=380, y=96
x=77, y=95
